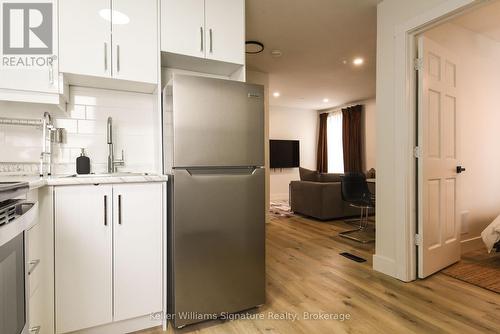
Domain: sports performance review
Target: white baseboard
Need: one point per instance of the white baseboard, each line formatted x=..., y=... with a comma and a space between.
x=125, y=326
x=384, y=265
x=472, y=244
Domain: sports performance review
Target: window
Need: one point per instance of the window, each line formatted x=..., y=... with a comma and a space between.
x=335, y=146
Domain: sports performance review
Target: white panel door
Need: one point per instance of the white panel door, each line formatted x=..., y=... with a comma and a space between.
x=135, y=40
x=42, y=75
x=225, y=30
x=83, y=257
x=183, y=27
x=438, y=179
x=138, y=249
x=85, y=37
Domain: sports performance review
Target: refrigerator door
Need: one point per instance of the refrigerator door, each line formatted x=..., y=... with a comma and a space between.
x=218, y=241
x=217, y=122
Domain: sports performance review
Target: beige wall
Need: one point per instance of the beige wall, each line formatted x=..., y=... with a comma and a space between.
x=294, y=124
x=370, y=134
x=391, y=198
x=479, y=119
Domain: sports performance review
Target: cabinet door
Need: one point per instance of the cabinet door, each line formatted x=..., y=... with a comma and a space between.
x=83, y=257
x=30, y=72
x=85, y=37
x=183, y=27
x=138, y=249
x=225, y=30
x=135, y=40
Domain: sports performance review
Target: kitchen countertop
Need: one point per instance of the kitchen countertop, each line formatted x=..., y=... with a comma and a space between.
x=64, y=180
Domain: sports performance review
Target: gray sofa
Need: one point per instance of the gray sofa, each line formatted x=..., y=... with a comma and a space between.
x=319, y=196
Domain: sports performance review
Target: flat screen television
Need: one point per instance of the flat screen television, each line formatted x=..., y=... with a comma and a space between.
x=284, y=153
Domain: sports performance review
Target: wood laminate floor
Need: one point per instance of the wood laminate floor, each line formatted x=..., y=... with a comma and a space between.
x=305, y=273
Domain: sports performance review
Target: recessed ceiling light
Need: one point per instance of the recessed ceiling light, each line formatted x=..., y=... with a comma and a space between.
x=325, y=100
x=358, y=61
x=276, y=53
x=276, y=94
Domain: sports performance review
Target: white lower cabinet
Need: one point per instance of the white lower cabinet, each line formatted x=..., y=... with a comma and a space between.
x=108, y=253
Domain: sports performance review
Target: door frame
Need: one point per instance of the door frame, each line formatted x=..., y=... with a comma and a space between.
x=405, y=98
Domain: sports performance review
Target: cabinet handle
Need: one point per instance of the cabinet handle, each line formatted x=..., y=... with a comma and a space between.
x=211, y=41
x=105, y=210
x=201, y=39
x=35, y=330
x=105, y=56
x=51, y=70
x=119, y=209
x=118, y=58
x=33, y=264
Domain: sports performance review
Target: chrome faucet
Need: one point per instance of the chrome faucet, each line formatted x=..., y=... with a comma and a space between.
x=112, y=162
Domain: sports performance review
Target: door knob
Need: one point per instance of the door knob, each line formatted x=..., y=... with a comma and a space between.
x=460, y=169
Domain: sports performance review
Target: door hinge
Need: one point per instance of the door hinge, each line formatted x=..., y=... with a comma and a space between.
x=418, y=64
x=417, y=152
x=418, y=240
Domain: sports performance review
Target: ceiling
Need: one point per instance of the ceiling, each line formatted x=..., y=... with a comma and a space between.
x=483, y=20
x=318, y=40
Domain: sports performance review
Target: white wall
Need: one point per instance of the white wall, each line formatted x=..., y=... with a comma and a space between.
x=135, y=131
x=391, y=198
x=479, y=119
x=293, y=124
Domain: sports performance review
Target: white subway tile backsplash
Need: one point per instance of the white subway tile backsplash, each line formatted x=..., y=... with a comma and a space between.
x=91, y=127
x=135, y=129
x=70, y=125
x=76, y=111
x=23, y=137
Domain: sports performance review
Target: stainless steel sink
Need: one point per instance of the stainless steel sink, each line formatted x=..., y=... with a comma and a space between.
x=121, y=174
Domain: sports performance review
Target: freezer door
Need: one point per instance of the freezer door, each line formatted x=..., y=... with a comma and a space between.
x=217, y=122
x=218, y=241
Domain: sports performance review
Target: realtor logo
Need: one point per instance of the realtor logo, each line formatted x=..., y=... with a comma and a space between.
x=27, y=28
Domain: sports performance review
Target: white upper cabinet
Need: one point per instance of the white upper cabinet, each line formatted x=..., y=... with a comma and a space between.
x=183, y=27
x=109, y=39
x=85, y=37
x=135, y=40
x=210, y=29
x=29, y=71
x=225, y=30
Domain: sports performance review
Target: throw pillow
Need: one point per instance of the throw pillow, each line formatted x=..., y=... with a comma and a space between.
x=308, y=175
x=330, y=177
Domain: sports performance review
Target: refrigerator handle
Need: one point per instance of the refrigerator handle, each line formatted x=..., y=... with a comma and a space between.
x=207, y=171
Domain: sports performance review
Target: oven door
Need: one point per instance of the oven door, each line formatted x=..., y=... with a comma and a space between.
x=13, y=317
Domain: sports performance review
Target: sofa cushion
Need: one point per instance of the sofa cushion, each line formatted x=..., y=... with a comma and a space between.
x=330, y=177
x=308, y=175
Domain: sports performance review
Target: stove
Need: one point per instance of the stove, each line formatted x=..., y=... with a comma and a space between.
x=10, y=190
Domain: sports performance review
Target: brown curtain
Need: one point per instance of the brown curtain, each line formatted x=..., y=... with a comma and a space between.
x=322, y=154
x=351, y=137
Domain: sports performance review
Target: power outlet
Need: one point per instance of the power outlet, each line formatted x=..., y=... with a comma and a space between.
x=464, y=219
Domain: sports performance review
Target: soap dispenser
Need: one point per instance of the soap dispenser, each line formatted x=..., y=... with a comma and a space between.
x=83, y=163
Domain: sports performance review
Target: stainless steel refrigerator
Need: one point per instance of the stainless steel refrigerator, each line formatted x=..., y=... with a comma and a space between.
x=214, y=148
